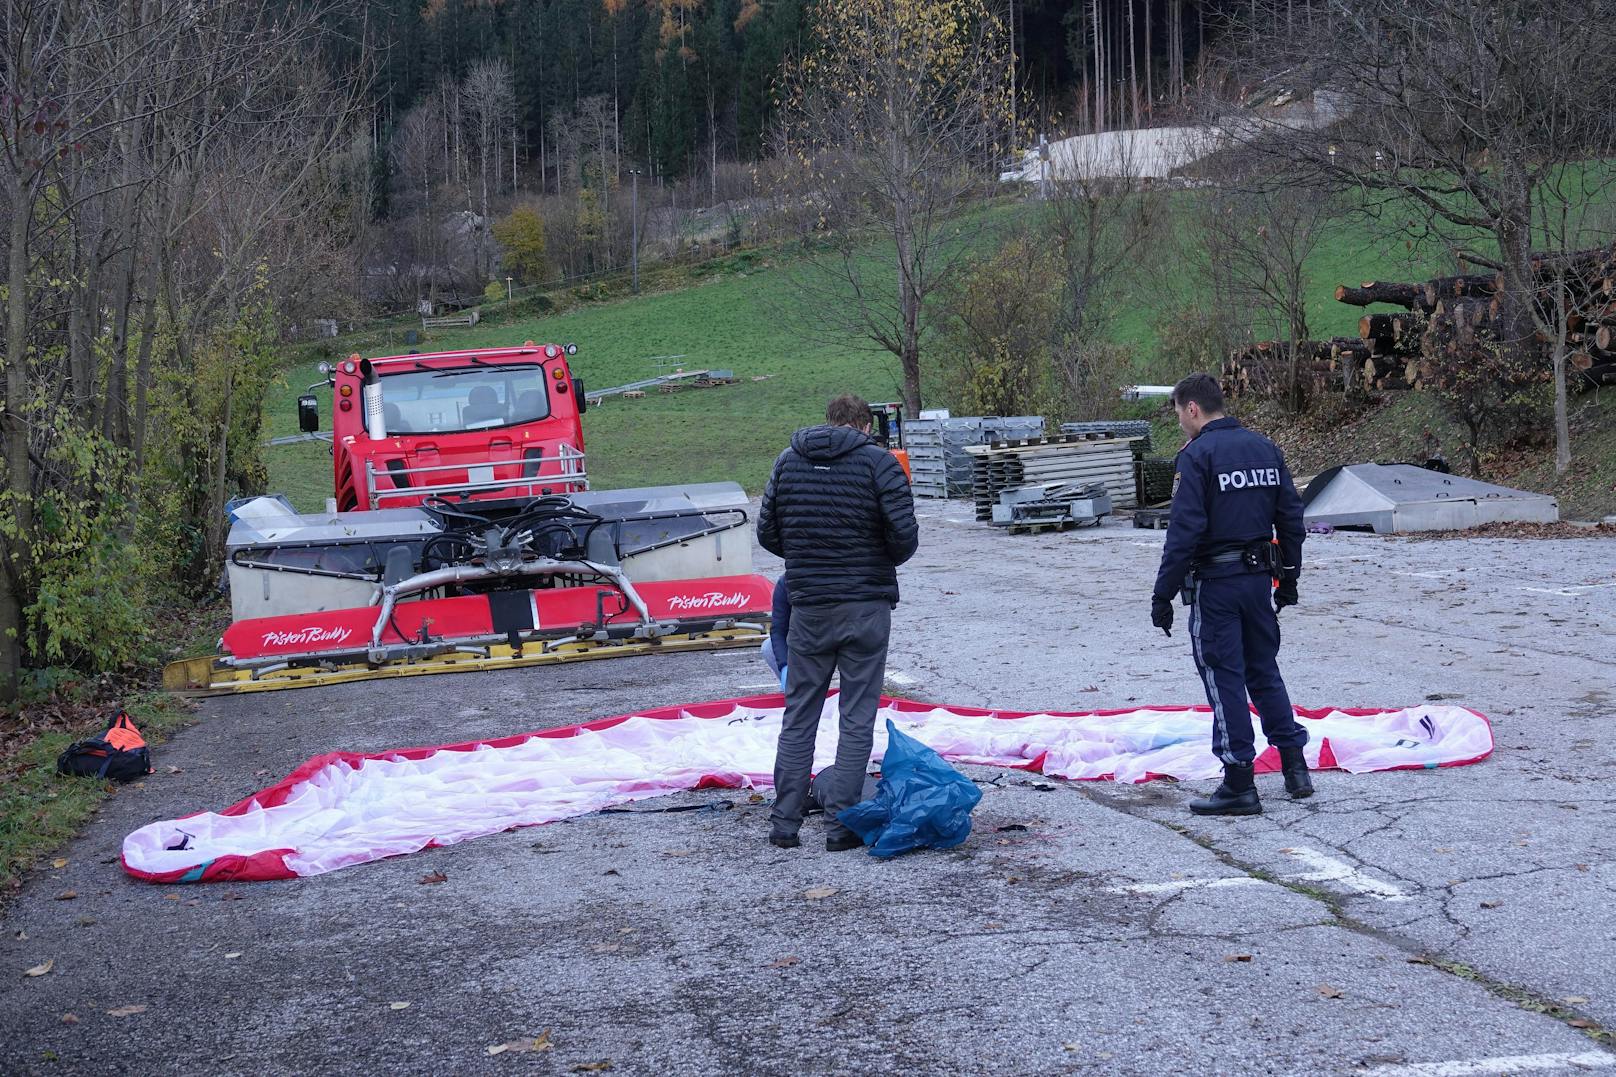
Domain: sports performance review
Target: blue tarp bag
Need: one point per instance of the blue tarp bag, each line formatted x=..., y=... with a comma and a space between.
x=921, y=801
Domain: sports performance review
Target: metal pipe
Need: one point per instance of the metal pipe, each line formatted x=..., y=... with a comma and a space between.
x=371, y=393
x=442, y=577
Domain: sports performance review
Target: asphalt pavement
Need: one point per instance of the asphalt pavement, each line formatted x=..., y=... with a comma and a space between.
x=1446, y=922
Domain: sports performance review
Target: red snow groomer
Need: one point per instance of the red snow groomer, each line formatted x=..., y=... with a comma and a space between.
x=463, y=535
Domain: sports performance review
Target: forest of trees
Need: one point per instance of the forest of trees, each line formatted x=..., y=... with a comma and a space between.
x=677, y=85
x=478, y=106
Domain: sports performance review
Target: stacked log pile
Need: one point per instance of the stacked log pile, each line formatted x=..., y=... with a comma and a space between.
x=1441, y=322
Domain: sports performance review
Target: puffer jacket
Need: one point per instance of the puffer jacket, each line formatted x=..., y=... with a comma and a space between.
x=840, y=512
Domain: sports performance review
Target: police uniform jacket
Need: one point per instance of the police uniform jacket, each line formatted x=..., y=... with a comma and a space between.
x=1233, y=490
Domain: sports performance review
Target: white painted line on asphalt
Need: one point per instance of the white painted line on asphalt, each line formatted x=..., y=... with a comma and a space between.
x=1567, y=592
x=1482, y=1067
x=1330, y=870
x=1179, y=885
x=1422, y=575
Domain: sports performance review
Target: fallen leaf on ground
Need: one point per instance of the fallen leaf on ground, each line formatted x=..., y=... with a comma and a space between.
x=783, y=962
x=1330, y=992
x=1237, y=957
x=1418, y=960
x=593, y=1067
x=1012, y=826
x=611, y=871
x=232, y=956
x=171, y=897
x=86, y=921
x=1491, y=904
x=433, y=878
x=67, y=895
x=70, y=1018
x=21, y=936
x=173, y=770
x=40, y=970
x=1581, y=1022
x=541, y=1042
x=398, y=1005
x=126, y=1011
x=1580, y=867
x=1071, y=1047
x=817, y=892
x=59, y=862
x=1574, y=1000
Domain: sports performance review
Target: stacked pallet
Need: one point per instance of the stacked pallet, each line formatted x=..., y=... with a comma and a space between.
x=1068, y=458
x=1120, y=428
x=938, y=463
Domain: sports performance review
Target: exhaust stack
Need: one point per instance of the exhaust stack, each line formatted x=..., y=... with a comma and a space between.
x=371, y=394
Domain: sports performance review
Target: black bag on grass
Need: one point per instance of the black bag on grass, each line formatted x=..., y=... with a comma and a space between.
x=120, y=753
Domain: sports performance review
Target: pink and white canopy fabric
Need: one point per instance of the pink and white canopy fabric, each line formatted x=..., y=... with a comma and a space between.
x=346, y=808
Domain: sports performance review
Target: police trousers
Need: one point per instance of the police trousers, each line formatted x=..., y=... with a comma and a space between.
x=1235, y=636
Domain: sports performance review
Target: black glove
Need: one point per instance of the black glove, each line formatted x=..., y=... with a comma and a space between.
x=1284, y=595
x=1161, y=613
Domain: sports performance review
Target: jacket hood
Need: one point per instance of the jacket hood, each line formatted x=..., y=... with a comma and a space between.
x=827, y=442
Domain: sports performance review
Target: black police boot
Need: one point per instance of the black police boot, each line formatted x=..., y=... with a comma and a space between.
x=1236, y=796
x=1294, y=766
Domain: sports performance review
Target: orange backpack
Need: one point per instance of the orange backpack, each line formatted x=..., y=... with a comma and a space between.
x=120, y=753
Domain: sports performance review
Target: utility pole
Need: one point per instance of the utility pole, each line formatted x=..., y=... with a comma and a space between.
x=634, y=214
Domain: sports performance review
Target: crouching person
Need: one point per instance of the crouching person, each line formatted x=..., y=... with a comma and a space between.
x=774, y=647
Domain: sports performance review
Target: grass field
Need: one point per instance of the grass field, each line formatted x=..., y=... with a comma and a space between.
x=742, y=313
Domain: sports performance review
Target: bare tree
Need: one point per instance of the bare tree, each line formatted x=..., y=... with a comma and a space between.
x=895, y=114
x=415, y=153
x=490, y=97
x=134, y=135
x=1102, y=217
x=1452, y=119
x=1257, y=234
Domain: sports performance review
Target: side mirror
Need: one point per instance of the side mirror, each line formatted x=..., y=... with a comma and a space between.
x=578, y=394
x=308, y=414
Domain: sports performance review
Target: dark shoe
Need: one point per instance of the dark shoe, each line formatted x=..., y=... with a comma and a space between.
x=841, y=845
x=1236, y=796
x=784, y=841
x=1294, y=766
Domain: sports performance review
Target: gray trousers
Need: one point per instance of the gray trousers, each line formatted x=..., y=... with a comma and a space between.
x=849, y=637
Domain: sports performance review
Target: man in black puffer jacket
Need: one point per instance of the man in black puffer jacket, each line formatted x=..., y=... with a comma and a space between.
x=839, y=510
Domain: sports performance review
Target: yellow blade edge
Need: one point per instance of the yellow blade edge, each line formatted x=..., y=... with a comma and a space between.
x=209, y=677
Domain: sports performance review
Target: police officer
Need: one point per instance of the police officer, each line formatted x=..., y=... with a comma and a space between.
x=1234, y=496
